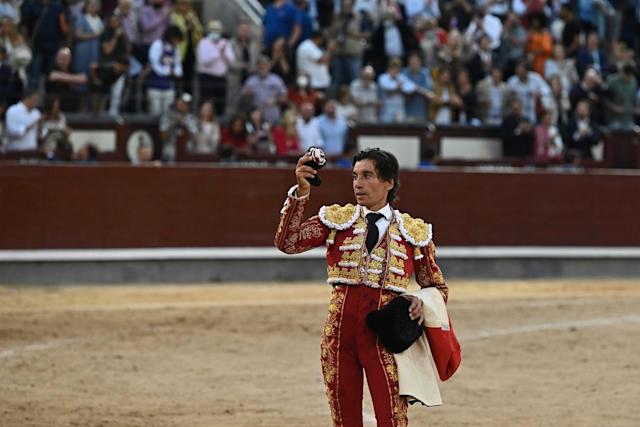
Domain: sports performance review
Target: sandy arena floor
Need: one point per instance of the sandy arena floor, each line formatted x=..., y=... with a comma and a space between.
x=563, y=353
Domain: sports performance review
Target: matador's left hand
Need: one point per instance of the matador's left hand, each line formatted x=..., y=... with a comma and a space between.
x=415, y=309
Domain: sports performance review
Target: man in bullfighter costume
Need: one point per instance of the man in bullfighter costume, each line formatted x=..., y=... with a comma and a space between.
x=372, y=251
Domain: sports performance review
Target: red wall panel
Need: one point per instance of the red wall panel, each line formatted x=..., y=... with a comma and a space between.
x=75, y=206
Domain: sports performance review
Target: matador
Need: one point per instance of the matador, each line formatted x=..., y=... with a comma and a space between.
x=372, y=252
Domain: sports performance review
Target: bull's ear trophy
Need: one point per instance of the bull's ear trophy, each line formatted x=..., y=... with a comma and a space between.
x=318, y=160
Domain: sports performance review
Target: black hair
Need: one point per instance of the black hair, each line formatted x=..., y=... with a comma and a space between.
x=386, y=165
x=172, y=32
x=49, y=102
x=27, y=93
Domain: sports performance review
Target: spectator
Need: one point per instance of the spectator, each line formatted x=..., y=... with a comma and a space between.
x=561, y=99
x=539, y=43
x=364, y=93
x=246, y=52
x=307, y=23
x=314, y=61
x=53, y=126
x=457, y=13
x=344, y=107
x=592, y=14
x=559, y=65
x=267, y=90
x=492, y=93
x=513, y=43
x=620, y=99
x=487, y=24
x=393, y=88
x=429, y=157
x=10, y=83
x=467, y=94
x=285, y=135
x=392, y=39
x=235, y=141
x=88, y=153
x=185, y=18
x=480, y=65
x=570, y=31
x=454, y=54
x=591, y=56
x=548, y=144
x=214, y=56
x=46, y=26
x=429, y=38
x=259, y=134
x=88, y=31
x=165, y=68
x=591, y=89
x=207, y=139
x=63, y=83
x=129, y=22
x=302, y=92
x=280, y=60
x=416, y=103
x=425, y=9
x=518, y=134
x=17, y=49
x=581, y=134
x=153, y=23
x=144, y=153
x=7, y=10
x=21, y=123
x=114, y=56
x=63, y=152
x=308, y=129
x=333, y=130
x=177, y=123
x=346, y=30
x=369, y=10
x=530, y=88
x=282, y=19
x=105, y=81
x=445, y=102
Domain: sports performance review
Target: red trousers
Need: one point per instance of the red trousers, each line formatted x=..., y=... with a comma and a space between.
x=349, y=347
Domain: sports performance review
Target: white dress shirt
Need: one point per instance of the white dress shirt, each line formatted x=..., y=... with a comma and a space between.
x=384, y=221
x=21, y=127
x=309, y=133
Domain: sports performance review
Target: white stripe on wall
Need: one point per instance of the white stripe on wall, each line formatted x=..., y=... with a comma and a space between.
x=444, y=252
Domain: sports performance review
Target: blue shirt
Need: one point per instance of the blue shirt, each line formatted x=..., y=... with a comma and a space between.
x=279, y=22
x=49, y=35
x=334, y=134
x=416, y=104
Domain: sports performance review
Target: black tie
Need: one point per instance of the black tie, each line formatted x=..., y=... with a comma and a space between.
x=372, y=230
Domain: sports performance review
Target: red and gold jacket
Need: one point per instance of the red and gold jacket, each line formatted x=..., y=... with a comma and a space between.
x=405, y=248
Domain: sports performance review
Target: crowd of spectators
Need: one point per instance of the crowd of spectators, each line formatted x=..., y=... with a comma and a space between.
x=550, y=74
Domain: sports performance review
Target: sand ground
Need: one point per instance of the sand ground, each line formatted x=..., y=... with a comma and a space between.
x=552, y=353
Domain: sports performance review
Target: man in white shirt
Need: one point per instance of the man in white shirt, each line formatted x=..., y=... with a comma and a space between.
x=529, y=87
x=22, y=122
x=308, y=129
x=484, y=23
x=311, y=59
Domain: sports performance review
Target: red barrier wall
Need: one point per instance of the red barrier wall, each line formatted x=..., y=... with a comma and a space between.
x=118, y=206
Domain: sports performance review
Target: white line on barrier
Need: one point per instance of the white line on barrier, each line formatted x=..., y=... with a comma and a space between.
x=230, y=253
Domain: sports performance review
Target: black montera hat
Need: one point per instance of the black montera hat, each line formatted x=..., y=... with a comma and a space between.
x=393, y=326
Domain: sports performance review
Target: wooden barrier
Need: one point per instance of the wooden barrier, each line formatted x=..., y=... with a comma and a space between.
x=621, y=148
x=122, y=206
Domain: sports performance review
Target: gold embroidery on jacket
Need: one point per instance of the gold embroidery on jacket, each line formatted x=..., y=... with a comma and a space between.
x=339, y=215
x=329, y=350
